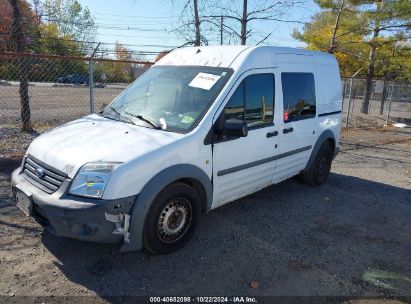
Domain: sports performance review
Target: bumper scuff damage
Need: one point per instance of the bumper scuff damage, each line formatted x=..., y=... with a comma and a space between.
x=122, y=222
x=96, y=220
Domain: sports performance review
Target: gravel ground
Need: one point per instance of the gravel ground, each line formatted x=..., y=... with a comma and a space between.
x=349, y=237
x=54, y=103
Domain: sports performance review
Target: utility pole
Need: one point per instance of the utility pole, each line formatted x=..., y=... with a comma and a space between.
x=221, y=30
x=197, y=41
x=244, y=20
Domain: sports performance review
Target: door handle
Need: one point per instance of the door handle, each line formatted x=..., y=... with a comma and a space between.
x=289, y=130
x=271, y=134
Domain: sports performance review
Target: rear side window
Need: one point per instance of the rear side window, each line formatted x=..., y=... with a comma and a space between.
x=253, y=100
x=298, y=96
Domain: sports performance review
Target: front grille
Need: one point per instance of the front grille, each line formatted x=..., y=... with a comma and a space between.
x=49, y=181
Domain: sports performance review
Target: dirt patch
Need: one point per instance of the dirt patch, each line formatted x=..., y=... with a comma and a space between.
x=380, y=136
x=14, y=142
x=359, y=120
x=349, y=237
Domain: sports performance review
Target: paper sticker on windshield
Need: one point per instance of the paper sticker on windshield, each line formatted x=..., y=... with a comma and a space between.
x=187, y=119
x=204, y=81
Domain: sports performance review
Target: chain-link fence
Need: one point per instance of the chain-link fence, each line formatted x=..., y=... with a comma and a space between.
x=390, y=101
x=54, y=88
x=58, y=89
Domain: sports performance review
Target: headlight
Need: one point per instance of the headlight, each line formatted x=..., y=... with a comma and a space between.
x=91, y=179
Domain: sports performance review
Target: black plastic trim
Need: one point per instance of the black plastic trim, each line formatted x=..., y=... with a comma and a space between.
x=329, y=113
x=62, y=211
x=261, y=161
x=300, y=118
x=324, y=136
x=153, y=188
x=272, y=134
x=48, y=167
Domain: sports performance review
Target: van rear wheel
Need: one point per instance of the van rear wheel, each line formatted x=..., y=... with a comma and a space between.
x=320, y=168
x=171, y=219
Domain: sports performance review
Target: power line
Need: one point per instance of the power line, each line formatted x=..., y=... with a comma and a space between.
x=94, y=42
x=138, y=16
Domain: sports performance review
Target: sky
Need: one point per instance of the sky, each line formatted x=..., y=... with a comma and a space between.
x=148, y=25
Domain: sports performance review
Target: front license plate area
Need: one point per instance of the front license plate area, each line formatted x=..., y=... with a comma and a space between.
x=23, y=202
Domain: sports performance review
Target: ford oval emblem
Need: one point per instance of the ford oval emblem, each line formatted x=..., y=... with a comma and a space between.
x=40, y=172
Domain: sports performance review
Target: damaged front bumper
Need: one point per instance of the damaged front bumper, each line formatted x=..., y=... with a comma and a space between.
x=87, y=219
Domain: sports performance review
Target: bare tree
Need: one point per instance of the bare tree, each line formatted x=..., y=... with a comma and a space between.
x=196, y=23
x=231, y=17
x=19, y=46
x=190, y=23
x=239, y=11
x=244, y=21
x=336, y=26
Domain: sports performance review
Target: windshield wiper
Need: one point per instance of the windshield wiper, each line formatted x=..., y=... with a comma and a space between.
x=114, y=110
x=145, y=119
x=120, y=117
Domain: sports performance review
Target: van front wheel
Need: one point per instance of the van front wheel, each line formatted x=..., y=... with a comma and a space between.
x=171, y=219
x=320, y=168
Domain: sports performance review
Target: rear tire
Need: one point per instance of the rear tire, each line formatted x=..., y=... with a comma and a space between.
x=320, y=168
x=171, y=219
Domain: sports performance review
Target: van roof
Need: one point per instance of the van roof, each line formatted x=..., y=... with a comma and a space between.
x=225, y=56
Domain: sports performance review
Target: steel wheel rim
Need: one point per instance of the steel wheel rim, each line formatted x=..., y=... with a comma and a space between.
x=174, y=220
x=322, y=166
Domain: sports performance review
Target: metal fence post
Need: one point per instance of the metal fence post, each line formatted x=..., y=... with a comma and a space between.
x=390, y=102
x=372, y=95
x=91, y=78
x=343, y=95
x=349, y=103
x=91, y=84
x=350, y=98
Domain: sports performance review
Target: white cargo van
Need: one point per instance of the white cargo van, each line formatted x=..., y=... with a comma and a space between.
x=204, y=126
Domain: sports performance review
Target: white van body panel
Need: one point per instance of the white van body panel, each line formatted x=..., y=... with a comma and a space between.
x=214, y=56
x=144, y=152
x=303, y=134
x=95, y=138
x=242, y=151
x=130, y=178
x=219, y=168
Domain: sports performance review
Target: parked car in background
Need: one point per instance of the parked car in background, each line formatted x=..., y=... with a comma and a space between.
x=74, y=79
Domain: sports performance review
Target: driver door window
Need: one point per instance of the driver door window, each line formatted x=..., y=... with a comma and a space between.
x=253, y=101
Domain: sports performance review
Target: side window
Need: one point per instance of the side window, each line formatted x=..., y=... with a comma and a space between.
x=253, y=100
x=235, y=107
x=298, y=96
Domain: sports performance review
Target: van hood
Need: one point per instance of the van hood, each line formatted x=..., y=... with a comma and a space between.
x=95, y=138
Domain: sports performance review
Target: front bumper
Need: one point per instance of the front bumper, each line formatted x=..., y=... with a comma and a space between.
x=70, y=216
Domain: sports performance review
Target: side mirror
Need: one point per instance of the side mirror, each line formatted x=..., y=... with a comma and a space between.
x=235, y=127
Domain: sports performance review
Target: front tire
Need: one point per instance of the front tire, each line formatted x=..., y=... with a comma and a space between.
x=171, y=219
x=320, y=168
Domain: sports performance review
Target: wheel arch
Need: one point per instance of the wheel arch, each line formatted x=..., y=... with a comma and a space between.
x=186, y=173
x=326, y=136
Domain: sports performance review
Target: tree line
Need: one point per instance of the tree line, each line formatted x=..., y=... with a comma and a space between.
x=369, y=36
x=57, y=28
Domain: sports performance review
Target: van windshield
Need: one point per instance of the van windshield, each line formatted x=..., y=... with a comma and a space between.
x=169, y=97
